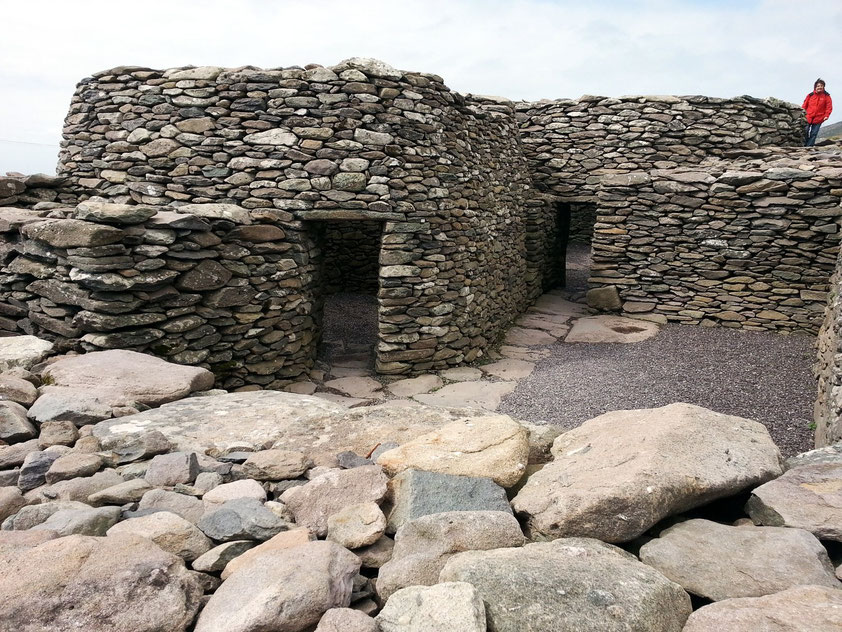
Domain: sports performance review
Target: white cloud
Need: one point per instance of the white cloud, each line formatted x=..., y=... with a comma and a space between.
x=521, y=49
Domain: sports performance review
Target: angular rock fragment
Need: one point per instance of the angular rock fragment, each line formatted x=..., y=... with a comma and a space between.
x=445, y=606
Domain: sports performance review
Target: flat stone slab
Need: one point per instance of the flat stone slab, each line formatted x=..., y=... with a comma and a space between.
x=85, y=388
x=274, y=419
x=611, y=329
x=554, y=325
x=556, y=305
x=804, y=608
x=461, y=374
x=342, y=400
x=569, y=584
x=478, y=394
x=415, y=385
x=719, y=562
x=360, y=387
x=448, y=606
x=618, y=474
x=521, y=336
x=527, y=354
x=493, y=446
x=22, y=351
x=807, y=497
x=827, y=454
x=509, y=369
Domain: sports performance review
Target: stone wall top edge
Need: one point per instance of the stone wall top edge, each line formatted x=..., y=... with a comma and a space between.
x=523, y=105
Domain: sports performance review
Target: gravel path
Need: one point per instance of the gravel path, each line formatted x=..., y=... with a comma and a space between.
x=766, y=377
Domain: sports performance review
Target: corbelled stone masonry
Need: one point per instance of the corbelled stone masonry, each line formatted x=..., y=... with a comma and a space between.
x=290, y=162
x=20, y=191
x=747, y=243
x=572, y=144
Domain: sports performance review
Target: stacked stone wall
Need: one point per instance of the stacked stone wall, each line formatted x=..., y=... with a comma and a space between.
x=747, y=243
x=27, y=191
x=324, y=157
x=827, y=412
x=572, y=144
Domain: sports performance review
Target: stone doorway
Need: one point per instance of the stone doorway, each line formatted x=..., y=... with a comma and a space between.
x=349, y=272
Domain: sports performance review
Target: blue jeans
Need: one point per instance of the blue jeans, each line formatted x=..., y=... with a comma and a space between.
x=812, y=132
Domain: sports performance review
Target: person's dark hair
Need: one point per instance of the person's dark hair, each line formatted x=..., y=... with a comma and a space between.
x=819, y=81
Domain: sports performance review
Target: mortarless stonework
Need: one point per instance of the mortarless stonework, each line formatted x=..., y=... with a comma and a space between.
x=744, y=242
x=276, y=187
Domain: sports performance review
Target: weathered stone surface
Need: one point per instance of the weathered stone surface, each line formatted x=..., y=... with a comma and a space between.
x=494, y=446
x=416, y=493
x=618, y=474
x=376, y=555
x=57, y=433
x=118, y=214
x=356, y=526
x=73, y=465
x=415, y=385
x=14, y=426
x=126, y=377
x=33, y=472
x=284, y=540
x=122, y=493
x=275, y=465
x=801, y=609
x=72, y=233
x=602, y=329
x=509, y=369
x=167, y=470
x=23, y=352
x=18, y=390
x=235, y=490
x=71, y=583
x=720, y=562
x=31, y=515
x=87, y=521
x=81, y=488
x=215, y=560
x=11, y=501
x=423, y=546
x=604, y=298
x=188, y=507
x=446, y=606
x=346, y=620
x=478, y=394
x=14, y=455
x=284, y=590
x=313, y=503
x=169, y=531
x=570, y=584
x=241, y=519
x=807, y=497
x=355, y=386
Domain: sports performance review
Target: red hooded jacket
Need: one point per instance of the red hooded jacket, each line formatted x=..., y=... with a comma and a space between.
x=818, y=106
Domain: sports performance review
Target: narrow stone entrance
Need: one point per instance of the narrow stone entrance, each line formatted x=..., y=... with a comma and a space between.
x=349, y=279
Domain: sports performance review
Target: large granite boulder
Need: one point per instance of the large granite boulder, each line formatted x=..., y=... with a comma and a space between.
x=492, y=446
x=287, y=589
x=120, y=584
x=570, y=584
x=263, y=419
x=618, y=474
x=807, y=497
x=22, y=351
x=718, y=562
x=800, y=609
x=423, y=546
x=105, y=379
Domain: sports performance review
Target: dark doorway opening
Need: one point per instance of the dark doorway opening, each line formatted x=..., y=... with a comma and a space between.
x=574, y=232
x=350, y=277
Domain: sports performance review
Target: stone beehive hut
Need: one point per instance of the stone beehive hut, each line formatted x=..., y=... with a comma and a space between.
x=218, y=207
x=288, y=184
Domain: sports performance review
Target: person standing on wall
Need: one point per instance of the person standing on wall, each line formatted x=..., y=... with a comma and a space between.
x=818, y=107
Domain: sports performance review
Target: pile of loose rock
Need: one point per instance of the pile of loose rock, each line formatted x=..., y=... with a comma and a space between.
x=133, y=498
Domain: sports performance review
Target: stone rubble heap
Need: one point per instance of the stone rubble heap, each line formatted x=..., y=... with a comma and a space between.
x=191, y=509
x=750, y=241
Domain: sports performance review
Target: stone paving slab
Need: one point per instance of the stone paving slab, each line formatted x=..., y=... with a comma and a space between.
x=509, y=369
x=601, y=329
x=528, y=337
x=478, y=394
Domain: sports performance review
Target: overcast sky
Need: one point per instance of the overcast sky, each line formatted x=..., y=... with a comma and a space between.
x=521, y=49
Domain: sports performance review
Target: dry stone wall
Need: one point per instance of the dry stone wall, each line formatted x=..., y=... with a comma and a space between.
x=827, y=413
x=572, y=144
x=293, y=172
x=747, y=243
x=26, y=191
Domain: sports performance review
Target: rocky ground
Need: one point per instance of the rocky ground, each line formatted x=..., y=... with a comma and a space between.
x=133, y=497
